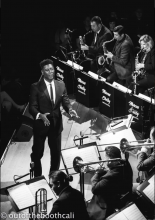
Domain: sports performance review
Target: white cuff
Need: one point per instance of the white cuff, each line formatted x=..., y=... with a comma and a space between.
x=37, y=117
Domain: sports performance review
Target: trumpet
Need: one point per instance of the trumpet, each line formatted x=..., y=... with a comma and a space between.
x=126, y=146
x=78, y=163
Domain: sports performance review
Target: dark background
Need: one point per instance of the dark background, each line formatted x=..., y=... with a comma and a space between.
x=28, y=27
x=27, y=36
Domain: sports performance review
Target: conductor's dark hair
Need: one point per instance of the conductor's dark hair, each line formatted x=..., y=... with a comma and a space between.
x=45, y=62
x=96, y=19
x=113, y=152
x=119, y=29
x=61, y=177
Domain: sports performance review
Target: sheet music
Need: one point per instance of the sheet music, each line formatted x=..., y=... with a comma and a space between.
x=120, y=123
x=146, y=98
x=119, y=216
x=21, y=196
x=151, y=180
x=93, y=75
x=34, y=187
x=149, y=190
x=88, y=154
x=132, y=212
x=121, y=88
x=75, y=65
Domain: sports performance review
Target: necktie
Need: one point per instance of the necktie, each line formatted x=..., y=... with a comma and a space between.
x=96, y=37
x=51, y=93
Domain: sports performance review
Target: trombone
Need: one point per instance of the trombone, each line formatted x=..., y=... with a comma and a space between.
x=126, y=146
x=128, y=142
x=78, y=163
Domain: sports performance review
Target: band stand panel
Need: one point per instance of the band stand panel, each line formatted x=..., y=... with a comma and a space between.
x=140, y=110
x=119, y=101
x=86, y=90
x=106, y=106
x=63, y=72
x=22, y=195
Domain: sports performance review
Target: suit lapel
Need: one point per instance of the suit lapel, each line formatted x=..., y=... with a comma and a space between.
x=43, y=88
x=56, y=91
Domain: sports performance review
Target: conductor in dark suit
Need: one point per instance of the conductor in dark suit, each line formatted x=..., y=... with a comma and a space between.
x=46, y=96
x=101, y=34
x=70, y=204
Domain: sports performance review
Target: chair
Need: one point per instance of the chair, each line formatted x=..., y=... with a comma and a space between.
x=123, y=200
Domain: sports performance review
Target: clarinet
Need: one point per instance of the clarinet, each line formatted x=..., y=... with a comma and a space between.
x=82, y=40
x=82, y=43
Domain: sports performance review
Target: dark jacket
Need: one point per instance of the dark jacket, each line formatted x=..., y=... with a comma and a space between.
x=109, y=185
x=70, y=201
x=149, y=63
x=146, y=163
x=123, y=52
x=40, y=102
x=96, y=47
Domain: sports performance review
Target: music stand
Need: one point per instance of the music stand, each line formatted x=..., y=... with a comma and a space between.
x=22, y=195
x=128, y=212
x=88, y=152
x=145, y=192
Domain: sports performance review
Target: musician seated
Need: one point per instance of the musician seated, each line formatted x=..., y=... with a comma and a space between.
x=113, y=181
x=146, y=161
x=146, y=164
x=145, y=64
x=70, y=200
x=122, y=58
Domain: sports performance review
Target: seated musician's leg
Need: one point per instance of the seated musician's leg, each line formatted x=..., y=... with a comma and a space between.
x=93, y=66
x=112, y=77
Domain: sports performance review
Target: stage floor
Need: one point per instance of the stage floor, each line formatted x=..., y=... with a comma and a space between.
x=90, y=123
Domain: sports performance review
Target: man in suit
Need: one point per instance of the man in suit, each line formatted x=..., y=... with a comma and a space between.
x=101, y=34
x=122, y=57
x=46, y=96
x=70, y=202
x=109, y=183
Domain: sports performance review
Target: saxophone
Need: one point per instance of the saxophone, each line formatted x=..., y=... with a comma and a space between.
x=102, y=59
x=140, y=72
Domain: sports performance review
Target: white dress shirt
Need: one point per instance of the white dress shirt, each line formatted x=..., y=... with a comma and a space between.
x=48, y=89
x=96, y=35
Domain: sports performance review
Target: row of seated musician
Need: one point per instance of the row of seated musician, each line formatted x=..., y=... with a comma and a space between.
x=111, y=187
x=121, y=62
